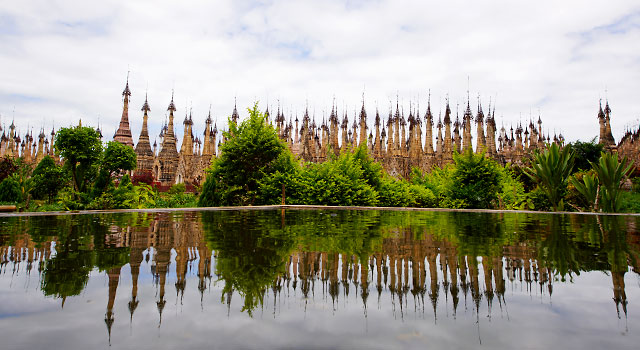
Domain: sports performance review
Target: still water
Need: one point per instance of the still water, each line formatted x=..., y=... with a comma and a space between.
x=319, y=279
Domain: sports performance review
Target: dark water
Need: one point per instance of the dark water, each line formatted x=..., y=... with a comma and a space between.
x=319, y=280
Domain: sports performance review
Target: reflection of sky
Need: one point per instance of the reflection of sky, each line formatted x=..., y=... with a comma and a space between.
x=579, y=315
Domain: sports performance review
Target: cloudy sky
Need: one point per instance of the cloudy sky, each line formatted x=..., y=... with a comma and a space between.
x=65, y=60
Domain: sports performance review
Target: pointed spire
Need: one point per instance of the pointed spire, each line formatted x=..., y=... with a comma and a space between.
x=145, y=106
x=172, y=106
x=234, y=115
x=126, y=91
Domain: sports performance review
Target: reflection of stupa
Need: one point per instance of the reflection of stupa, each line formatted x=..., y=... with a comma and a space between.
x=409, y=268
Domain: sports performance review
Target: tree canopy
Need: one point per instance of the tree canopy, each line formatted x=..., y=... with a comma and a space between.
x=118, y=157
x=48, y=179
x=252, y=151
x=81, y=149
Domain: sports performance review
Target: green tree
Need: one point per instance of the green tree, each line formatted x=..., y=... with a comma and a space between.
x=586, y=153
x=81, y=149
x=475, y=182
x=551, y=170
x=48, y=179
x=252, y=151
x=117, y=158
x=10, y=190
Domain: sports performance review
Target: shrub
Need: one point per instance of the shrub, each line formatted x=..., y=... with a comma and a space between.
x=475, y=181
x=10, y=190
x=178, y=188
x=142, y=177
x=48, y=179
x=7, y=167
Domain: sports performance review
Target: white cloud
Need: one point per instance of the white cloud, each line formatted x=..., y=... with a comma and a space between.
x=63, y=60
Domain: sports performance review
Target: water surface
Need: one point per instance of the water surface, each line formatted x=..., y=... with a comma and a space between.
x=319, y=279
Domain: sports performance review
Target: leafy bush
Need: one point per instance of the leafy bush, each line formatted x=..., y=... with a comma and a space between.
x=8, y=166
x=586, y=153
x=475, y=181
x=48, y=179
x=630, y=202
x=178, y=188
x=69, y=199
x=10, y=190
x=512, y=191
x=142, y=177
x=539, y=199
x=179, y=200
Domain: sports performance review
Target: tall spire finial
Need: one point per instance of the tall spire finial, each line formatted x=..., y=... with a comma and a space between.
x=145, y=106
x=126, y=91
x=172, y=106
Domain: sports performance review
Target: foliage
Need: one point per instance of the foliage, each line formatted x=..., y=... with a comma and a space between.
x=252, y=152
x=438, y=181
x=178, y=188
x=142, y=177
x=630, y=202
x=10, y=190
x=70, y=199
x=25, y=182
x=586, y=153
x=179, y=200
x=81, y=149
x=48, y=179
x=512, y=191
x=118, y=157
x=587, y=185
x=144, y=196
x=475, y=181
x=551, y=170
x=401, y=193
x=611, y=172
x=7, y=167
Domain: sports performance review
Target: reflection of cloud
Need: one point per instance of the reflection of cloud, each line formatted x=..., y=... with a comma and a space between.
x=578, y=316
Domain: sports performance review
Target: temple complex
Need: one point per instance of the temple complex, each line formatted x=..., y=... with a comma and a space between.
x=399, y=142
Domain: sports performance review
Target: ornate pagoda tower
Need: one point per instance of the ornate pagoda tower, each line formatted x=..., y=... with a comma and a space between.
x=143, y=148
x=167, y=162
x=123, y=134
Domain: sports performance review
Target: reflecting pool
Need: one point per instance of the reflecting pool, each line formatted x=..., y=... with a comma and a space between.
x=319, y=279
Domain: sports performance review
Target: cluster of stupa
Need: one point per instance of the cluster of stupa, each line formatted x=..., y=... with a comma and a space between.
x=14, y=146
x=399, y=143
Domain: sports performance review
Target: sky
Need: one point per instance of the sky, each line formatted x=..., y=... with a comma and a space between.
x=68, y=60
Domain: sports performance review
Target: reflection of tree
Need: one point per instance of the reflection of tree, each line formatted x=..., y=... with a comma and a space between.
x=253, y=247
x=477, y=234
x=557, y=250
x=67, y=273
x=249, y=256
x=618, y=255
